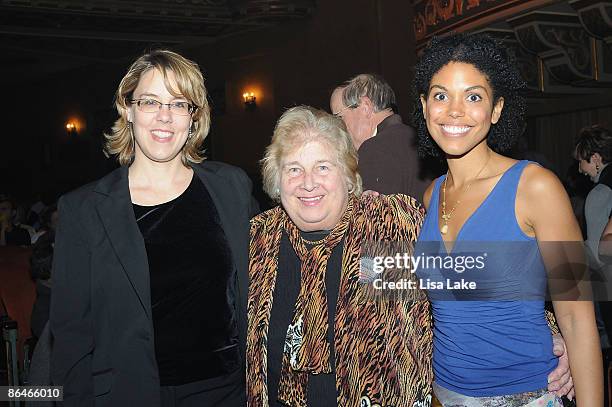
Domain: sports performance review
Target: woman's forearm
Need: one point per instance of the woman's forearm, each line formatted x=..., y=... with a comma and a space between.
x=577, y=323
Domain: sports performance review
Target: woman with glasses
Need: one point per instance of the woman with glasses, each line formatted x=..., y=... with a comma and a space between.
x=150, y=263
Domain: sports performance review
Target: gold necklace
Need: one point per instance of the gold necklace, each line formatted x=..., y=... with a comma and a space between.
x=314, y=242
x=446, y=216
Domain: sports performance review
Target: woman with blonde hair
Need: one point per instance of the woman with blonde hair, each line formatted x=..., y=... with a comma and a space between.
x=316, y=335
x=150, y=261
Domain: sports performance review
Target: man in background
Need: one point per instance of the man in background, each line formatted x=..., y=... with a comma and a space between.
x=388, y=159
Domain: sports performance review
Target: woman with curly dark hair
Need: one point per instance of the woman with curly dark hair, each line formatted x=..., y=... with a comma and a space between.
x=494, y=349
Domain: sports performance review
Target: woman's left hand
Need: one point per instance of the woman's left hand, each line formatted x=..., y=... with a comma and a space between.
x=560, y=380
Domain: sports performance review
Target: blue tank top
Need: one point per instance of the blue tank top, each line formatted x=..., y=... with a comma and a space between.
x=493, y=340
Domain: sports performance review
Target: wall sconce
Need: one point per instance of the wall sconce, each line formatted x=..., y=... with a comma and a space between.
x=71, y=128
x=250, y=101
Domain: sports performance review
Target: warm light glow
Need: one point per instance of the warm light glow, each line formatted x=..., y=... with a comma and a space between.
x=74, y=125
x=249, y=97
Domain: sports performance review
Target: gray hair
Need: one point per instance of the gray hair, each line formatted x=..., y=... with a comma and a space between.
x=296, y=127
x=371, y=86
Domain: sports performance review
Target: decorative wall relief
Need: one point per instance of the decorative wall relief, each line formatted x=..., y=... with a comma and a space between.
x=526, y=61
x=595, y=16
x=561, y=42
x=433, y=16
x=562, y=46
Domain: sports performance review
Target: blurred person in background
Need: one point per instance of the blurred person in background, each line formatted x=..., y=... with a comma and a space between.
x=11, y=232
x=47, y=223
x=593, y=151
x=388, y=158
x=34, y=217
x=41, y=262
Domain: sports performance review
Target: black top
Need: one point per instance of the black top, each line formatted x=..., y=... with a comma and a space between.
x=606, y=176
x=321, y=388
x=191, y=276
x=18, y=236
x=101, y=317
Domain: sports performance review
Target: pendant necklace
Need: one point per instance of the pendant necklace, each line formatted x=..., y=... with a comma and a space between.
x=446, y=216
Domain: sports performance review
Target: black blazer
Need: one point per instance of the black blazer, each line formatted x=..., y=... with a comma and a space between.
x=103, y=351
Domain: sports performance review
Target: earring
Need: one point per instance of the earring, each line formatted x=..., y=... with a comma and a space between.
x=278, y=192
x=351, y=189
x=597, y=167
x=190, y=134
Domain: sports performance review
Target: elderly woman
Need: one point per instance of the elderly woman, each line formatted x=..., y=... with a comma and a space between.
x=315, y=338
x=150, y=261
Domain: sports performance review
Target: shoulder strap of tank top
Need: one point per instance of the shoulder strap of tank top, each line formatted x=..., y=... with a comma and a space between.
x=435, y=194
x=511, y=177
x=508, y=184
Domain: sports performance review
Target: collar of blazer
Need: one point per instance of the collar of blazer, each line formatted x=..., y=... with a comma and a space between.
x=117, y=215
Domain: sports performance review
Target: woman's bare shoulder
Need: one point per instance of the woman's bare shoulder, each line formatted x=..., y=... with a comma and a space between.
x=538, y=182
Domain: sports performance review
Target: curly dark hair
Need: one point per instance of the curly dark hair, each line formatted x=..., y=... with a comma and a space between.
x=591, y=140
x=492, y=59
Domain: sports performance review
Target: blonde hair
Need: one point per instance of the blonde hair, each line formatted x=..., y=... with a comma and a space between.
x=300, y=125
x=190, y=83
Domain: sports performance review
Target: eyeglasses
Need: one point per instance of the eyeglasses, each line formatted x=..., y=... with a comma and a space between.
x=344, y=109
x=153, y=106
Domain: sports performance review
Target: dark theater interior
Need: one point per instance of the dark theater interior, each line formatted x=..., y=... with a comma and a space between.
x=62, y=60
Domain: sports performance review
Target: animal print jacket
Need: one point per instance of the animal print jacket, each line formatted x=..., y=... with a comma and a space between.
x=383, y=345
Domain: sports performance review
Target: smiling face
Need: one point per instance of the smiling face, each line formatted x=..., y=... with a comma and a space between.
x=459, y=108
x=313, y=190
x=160, y=136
